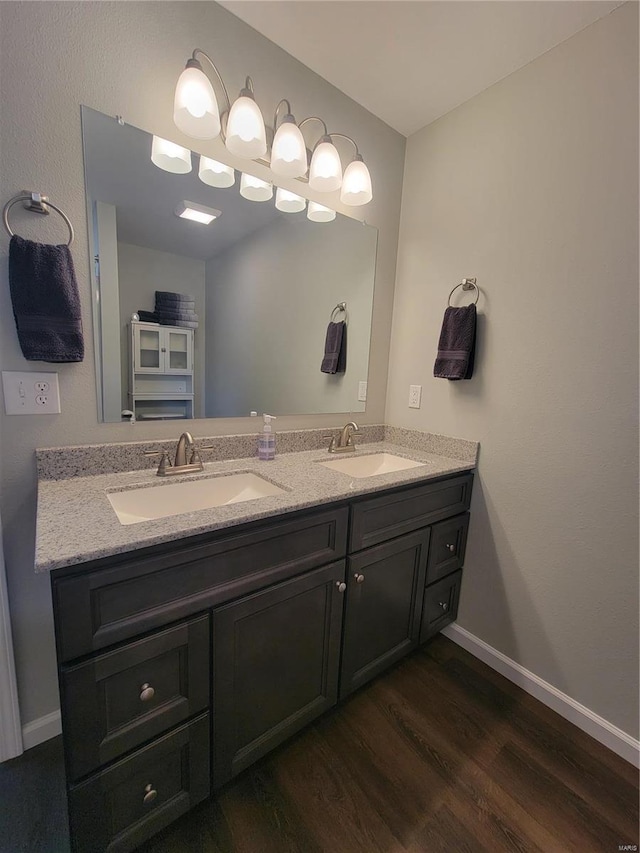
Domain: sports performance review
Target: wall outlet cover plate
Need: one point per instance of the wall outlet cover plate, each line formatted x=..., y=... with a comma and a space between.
x=30, y=393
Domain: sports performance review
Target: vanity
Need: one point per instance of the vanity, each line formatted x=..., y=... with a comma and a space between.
x=183, y=662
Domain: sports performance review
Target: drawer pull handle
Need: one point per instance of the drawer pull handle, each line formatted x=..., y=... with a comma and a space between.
x=444, y=605
x=147, y=693
x=150, y=795
x=359, y=578
x=452, y=548
x=341, y=586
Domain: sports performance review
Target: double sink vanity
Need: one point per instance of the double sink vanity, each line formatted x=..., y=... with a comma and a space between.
x=203, y=619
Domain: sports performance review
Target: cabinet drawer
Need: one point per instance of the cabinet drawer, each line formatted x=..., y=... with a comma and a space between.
x=119, y=700
x=98, y=608
x=448, y=543
x=119, y=808
x=378, y=519
x=440, y=605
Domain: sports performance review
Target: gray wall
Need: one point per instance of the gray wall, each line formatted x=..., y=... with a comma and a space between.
x=269, y=300
x=124, y=58
x=532, y=186
x=142, y=271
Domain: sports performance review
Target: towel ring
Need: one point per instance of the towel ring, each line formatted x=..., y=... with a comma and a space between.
x=341, y=306
x=466, y=284
x=37, y=204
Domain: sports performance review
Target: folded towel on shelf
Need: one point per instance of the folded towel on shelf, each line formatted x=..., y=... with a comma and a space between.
x=457, y=344
x=147, y=316
x=166, y=314
x=165, y=297
x=335, y=348
x=184, y=324
x=46, y=303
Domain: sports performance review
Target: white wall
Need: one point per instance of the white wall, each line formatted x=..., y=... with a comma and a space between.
x=124, y=59
x=532, y=186
x=258, y=294
x=141, y=272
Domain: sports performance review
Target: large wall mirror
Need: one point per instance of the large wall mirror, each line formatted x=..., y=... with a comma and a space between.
x=263, y=284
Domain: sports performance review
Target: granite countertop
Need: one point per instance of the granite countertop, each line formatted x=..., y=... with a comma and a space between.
x=76, y=522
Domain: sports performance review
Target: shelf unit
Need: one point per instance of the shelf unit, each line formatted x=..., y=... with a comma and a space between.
x=161, y=372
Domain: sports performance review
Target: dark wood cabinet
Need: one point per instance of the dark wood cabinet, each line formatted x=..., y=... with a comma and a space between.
x=385, y=588
x=276, y=659
x=182, y=664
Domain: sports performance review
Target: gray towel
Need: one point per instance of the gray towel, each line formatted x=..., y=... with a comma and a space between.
x=335, y=349
x=166, y=297
x=167, y=314
x=46, y=303
x=457, y=345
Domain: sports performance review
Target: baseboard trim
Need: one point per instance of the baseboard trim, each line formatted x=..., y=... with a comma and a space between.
x=41, y=729
x=599, y=728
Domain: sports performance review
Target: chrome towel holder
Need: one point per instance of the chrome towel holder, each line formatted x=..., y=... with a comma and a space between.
x=340, y=307
x=36, y=203
x=466, y=284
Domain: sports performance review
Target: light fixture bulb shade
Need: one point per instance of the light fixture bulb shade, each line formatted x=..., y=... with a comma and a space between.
x=170, y=157
x=325, y=171
x=319, y=213
x=246, y=134
x=289, y=202
x=289, y=152
x=195, y=108
x=356, y=184
x=254, y=188
x=215, y=174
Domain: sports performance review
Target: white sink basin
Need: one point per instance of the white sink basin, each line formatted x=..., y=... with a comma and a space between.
x=167, y=499
x=372, y=464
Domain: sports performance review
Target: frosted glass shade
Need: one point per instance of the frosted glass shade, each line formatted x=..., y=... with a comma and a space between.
x=356, y=184
x=246, y=134
x=215, y=174
x=289, y=202
x=289, y=152
x=195, y=108
x=170, y=157
x=325, y=171
x=255, y=189
x=319, y=213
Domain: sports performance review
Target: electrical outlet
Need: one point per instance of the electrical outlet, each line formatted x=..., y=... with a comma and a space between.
x=362, y=391
x=31, y=393
x=415, y=393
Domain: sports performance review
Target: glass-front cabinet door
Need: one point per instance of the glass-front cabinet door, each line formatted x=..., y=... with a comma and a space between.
x=178, y=350
x=148, y=355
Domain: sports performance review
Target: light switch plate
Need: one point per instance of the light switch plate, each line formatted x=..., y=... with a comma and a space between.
x=30, y=393
x=362, y=391
x=415, y=394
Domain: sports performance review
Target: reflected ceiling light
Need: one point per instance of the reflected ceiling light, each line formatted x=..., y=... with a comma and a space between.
x=255, y=189
x=288, y=151
x=319, y=213
x=170, y=157
x=325, y=171
x=289, y=202
x=215, y=174
x=356, y=183
x=195, y=108
x=246, y=133
x=197, y=212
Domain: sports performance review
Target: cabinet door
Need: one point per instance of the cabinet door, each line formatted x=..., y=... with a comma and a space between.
x=147, y=349
x=440, y=605
x=385, y=587
x=276, y=657
x=178, y=346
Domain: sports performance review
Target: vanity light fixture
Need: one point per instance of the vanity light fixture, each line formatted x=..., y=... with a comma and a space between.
x=319, y=213
x=246, y=133
x=325, y=170
x=195, y=107
x=254, y=188
x=288, y=151
x=215, y=174
x=356, y=181
x=289, y=202
x=170, y=157
x=197, y=212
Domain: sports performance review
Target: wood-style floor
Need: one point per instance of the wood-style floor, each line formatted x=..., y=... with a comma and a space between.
x=440, y=755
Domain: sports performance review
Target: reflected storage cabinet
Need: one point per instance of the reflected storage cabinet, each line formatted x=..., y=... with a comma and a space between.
x=180, y=665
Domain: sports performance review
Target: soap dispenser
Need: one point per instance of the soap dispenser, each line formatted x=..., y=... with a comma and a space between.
x=267, y=439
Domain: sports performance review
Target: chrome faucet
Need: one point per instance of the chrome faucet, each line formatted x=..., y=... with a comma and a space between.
x=187, y=458
x=344, y=442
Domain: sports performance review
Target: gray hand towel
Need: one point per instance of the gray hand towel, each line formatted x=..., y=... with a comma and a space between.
x=170, y=314
x=457, y=345
x=46, y=303
x=335, y=349
x=166, y=296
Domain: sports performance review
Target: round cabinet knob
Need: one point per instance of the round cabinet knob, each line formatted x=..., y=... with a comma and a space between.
x=341, y=586
x=452, y=548
x=150, y=794
x=359, y=578
x=147, y=693
x=444, y=605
